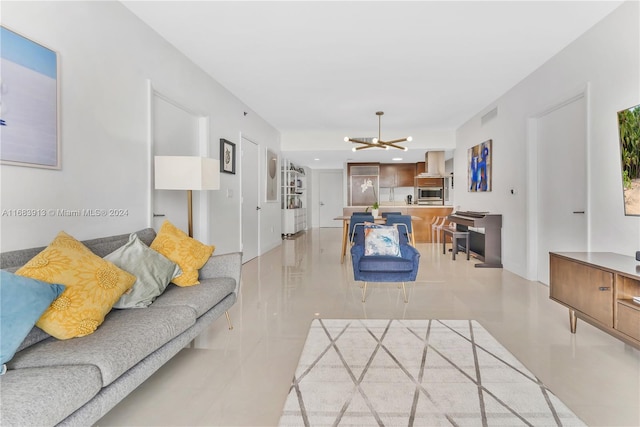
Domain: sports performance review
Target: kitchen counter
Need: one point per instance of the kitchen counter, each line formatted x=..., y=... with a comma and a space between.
x=422, y=227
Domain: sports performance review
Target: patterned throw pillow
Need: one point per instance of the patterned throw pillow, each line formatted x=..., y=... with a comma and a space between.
x=185, y=251
x=153, y=270
x=381, y=240
x=93, y=285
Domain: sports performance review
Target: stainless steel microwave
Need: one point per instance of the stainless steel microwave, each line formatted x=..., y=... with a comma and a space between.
x=430, y=194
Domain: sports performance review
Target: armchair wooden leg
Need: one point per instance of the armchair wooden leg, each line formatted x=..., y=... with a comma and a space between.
x=404, y=291
x=228, y=320
x=364, y=292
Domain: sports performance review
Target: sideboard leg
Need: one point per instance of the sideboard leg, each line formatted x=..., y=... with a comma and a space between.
x=573, y=320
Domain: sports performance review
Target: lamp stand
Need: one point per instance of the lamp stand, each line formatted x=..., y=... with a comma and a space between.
x=190, y=211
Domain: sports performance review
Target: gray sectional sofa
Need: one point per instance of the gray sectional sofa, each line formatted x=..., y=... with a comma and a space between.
x=77, y=381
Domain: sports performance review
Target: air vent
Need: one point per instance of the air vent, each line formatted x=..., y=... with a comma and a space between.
x=489, y=116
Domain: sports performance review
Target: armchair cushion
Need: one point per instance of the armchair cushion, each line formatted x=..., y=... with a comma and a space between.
x=385, y=268
x=385, y=263
x=381, y=240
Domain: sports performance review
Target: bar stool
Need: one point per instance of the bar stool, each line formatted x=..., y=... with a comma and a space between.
x=455, y=235
x=436, y=227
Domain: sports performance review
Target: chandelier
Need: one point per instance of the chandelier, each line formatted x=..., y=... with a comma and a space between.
x=377, y=142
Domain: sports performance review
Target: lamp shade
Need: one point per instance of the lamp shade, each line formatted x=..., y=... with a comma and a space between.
x=186, y=173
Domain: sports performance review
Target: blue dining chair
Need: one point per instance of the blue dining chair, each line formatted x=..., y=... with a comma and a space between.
x=356, y=224
x=386, y=214
x=407, y=228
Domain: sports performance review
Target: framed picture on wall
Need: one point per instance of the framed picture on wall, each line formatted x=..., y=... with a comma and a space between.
x=29, y=113
x=629, y=131
x=272, y=176
x=479, y=157
x=227, y=156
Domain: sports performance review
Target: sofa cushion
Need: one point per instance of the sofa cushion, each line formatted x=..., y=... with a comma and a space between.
x=153, y=272
x=126, y=337
x=385, y=264
x=93, y=285
x=35, y=336
x=185, y=251
x=201, y=298
x=22, y=302
x=46, y=396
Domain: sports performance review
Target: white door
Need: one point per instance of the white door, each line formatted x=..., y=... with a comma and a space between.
x=175, y=133
x=330, y=192
x=250, y=200
x=562, y=182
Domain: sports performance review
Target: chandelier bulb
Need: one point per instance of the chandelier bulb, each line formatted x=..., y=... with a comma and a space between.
x=346, y=139
x=409, y=139
x=375, y=140
x=353, y=149
x=406, y=149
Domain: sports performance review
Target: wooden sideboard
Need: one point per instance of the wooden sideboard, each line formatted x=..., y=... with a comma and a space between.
x=598, y=287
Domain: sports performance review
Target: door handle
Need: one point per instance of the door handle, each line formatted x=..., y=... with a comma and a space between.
x=604, y=288
x=578, y=212
x=156, y=215
x=258, y=208
x=321, y=204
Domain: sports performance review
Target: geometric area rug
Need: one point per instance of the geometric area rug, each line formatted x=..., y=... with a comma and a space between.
x=415, y=373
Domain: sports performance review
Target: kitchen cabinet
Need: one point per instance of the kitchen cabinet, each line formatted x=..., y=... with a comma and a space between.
x=397, y=174
x=430, y=182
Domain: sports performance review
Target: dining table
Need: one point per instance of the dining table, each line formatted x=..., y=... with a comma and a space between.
x=346, y=219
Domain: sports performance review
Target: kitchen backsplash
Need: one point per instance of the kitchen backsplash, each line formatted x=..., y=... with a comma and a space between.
x=398, y=195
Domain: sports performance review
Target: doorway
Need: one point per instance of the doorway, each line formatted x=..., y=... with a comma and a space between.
x=250, y=169
x=560, y=205
x=176, y=130
x=330, y=192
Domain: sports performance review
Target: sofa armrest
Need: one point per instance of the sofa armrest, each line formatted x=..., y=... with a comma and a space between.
x=225, y=265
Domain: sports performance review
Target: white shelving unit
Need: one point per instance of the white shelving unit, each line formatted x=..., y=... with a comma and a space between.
x=293, y=198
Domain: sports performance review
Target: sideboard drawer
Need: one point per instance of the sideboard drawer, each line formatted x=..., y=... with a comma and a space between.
x=629, y=320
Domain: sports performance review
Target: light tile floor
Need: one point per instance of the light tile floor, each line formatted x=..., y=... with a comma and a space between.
x=242, y=377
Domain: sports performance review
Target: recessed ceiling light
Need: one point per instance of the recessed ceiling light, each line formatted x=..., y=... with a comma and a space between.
x=316, y=158
x=397, y=159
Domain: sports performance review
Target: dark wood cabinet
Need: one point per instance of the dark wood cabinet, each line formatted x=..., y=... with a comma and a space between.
x=397, y=174
x=387, y=175
x=406, y=172
x=430, y=182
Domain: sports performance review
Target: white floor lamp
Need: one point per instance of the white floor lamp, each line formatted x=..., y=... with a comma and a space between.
x=187, y=173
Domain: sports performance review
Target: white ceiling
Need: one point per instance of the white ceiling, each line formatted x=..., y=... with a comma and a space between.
x=329, y=65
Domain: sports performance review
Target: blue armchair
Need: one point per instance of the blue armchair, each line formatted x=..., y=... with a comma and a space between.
x=384, y=268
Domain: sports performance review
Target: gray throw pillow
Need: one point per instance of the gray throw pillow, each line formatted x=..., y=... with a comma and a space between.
x=153, y=271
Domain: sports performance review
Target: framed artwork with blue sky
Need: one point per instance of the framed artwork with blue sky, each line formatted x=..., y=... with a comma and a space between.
x=29, y=109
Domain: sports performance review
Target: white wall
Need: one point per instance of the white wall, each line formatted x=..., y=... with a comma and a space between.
x=106, y=55
x=607, y=59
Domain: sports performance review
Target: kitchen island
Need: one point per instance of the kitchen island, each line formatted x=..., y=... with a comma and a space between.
x=421, y=227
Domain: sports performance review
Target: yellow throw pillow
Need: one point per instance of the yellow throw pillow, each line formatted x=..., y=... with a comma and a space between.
x=93, y=285
x=185, y=251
